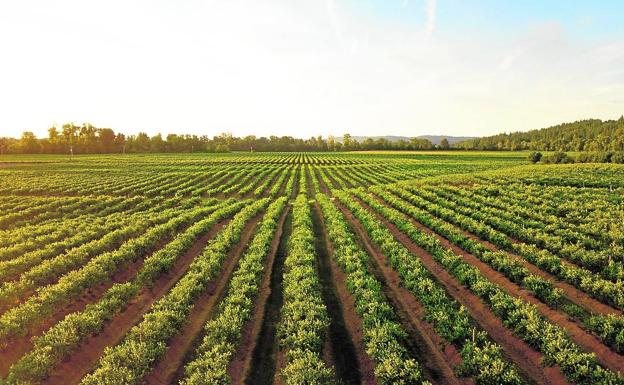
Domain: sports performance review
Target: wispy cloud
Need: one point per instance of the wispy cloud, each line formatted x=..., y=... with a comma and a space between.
x=316, y=67
x=430, y=12
x=334, y=20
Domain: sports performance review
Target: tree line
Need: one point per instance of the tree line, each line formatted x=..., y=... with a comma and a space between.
x=88, y=139
x=591, y=135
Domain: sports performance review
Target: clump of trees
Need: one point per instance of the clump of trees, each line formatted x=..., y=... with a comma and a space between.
x=87, y=139
x=559, y=157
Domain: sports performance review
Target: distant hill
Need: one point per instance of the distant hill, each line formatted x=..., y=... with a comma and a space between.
x=435, y=139
x=582, y=135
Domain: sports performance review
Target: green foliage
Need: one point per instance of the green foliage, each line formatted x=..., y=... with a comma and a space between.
x=223, y=332
x=383, y=335
x=146, y=342
x=535, y=156
x=304, y=318
x=521, y=317
x=557, y=158
x=583, y=135
x=450, y=320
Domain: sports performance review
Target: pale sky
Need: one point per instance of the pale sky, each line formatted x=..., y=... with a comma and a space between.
x=309, y=67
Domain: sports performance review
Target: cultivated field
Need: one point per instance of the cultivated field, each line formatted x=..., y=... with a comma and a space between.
x=310, y=268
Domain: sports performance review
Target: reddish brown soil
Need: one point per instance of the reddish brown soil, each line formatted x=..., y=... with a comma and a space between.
x=353, y=322
x=52, y=280
x=437, y=364
x=328, y=356
x=82, y=360
x=283, y=185
x=333, y=179
x=322, y=185
x=295, y=190
x=585, y=340
x=17, y=347
x=570, y=292
x=527, y=358
x=266, y=190
x=280, y=363
x=573, y=294
x=348, y=182
x=256, y=182
x=170, y=367
x=309, y=186
x=241, y=360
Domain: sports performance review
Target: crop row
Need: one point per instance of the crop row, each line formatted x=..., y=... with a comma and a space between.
x=583, y=279
x=383, y=334
x=223, y=332
x=504, y=263
x=482, y=359
x=99, y=269
x=146, y=342
x=519, y=316
x=600, y=262
x=304, y=317
x=64, y=337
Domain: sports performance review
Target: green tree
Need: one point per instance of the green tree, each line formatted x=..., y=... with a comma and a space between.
x=29, y=143
x=346, y=142
x=107, y=139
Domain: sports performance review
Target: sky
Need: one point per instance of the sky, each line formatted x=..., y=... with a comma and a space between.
x=309, y=67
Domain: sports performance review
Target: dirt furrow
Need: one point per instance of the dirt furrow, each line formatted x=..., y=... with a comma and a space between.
x=181, y=347
x=584, y=339
x=572, y=293
x=322, y=185
x=528, y=359
x=344, y=347
x=19, y=346
x=82, y=360
x=436, y=356
x=262, y=362
x=242, y=358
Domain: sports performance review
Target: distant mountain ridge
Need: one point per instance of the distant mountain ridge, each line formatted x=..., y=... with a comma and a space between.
x=435, y=139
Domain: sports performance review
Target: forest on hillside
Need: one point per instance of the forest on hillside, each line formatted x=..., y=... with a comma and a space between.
x=585, y=135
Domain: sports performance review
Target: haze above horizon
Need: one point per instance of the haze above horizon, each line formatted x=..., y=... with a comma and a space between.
x=303, y=67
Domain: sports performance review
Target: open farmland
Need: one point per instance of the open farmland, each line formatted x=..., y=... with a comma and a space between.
x=310, y=268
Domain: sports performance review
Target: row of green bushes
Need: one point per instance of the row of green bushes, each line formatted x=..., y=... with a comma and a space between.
x=223, y=332
x=63, y=338
x=146, y=342
x=583, y=157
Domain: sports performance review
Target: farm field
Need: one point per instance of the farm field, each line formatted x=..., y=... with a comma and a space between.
x=310, y=268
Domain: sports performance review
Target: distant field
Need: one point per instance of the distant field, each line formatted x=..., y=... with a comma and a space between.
x=449, y=267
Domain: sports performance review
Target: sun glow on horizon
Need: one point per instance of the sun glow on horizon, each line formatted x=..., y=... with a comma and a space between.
x=304, y=68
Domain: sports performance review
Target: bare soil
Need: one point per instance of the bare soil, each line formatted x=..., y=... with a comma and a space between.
x=425, y=343
x=524, y=356
x=344, y=347
x=242, y=358
x=170, y=367
x=572, y=293
x=584, y=339
x=265, y=359
x=84, y=359
x=19, y=346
